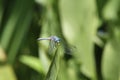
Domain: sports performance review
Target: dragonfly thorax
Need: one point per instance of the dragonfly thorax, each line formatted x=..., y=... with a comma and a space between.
x=55, y=38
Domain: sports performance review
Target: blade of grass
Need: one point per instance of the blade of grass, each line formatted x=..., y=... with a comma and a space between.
x=21, y=31
x=10, y=24
x=1, y=11
x=54, y=67
x=110, y=63
x=32, y=62
x=111, y=56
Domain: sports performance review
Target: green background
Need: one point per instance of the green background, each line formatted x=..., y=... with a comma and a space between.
x=90, y=39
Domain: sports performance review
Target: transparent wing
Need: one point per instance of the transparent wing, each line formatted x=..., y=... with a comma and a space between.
x=51, y=46
x=68, y=49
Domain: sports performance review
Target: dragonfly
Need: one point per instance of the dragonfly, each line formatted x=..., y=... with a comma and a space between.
x=54, y=42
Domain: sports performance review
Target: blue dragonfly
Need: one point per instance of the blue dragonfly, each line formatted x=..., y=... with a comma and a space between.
x=53, y=44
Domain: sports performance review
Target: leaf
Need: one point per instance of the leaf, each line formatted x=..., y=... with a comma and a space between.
x=68, y=70
x=32, y=62
x=41, y=2
x=16, y=28
x=80, y=27
x=111, y=9
x=111, y=55
x=110, y=63
x=6, y=73
x=3, y=56
x=54, y=67
x=1, y=10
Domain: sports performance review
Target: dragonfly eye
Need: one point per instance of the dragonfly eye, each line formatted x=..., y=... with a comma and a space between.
x=56, y=39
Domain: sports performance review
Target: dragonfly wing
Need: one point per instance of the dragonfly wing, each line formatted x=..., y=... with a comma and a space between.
x=51, y=47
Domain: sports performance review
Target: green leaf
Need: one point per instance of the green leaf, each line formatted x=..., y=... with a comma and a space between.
x=32, y=62
x=111, y=9
x=111, y=55
x=16, y=13
x=7, y=73
x=54, y=67
x=19, y=36
x=80, y=27
x=110, y=63
x=16, y=28
x=1, y=10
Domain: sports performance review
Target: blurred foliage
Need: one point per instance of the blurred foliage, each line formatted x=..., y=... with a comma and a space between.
x=89, y=33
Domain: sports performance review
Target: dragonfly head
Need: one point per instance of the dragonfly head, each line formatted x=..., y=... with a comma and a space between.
x=56, y=39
